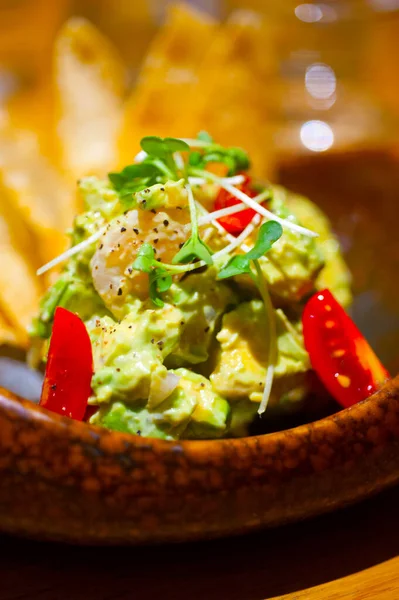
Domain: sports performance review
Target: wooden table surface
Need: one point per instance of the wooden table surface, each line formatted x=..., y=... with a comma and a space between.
x=349, y=555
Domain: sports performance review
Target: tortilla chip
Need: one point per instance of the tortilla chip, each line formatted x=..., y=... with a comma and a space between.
x=89, y=83
x=20, y=289
x=32, y=109
x=168, y=74
x=8, y=335
x=232, y=98
x=31, y=188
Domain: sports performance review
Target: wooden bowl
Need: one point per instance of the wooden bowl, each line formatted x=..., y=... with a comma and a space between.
x=66, y=480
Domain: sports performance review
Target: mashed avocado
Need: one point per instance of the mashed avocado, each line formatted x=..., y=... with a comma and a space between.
x=186, y=322
x=241, y=368
x=192, y=410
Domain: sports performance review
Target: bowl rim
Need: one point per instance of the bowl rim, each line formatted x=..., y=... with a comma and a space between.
x=356, y=413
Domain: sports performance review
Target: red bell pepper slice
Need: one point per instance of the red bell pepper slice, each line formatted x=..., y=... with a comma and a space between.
x=67, y=381
x=340, y=355
x=235, y=224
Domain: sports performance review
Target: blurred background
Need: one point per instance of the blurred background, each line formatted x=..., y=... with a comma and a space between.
x=331, y=67
x=310, y=89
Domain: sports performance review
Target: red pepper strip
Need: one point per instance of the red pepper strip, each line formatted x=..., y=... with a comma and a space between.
x=235, y=224
x=67, y=382
x=339, y=353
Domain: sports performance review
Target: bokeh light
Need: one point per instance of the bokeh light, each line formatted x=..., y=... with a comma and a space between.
x=317, y=136
x=320, y=81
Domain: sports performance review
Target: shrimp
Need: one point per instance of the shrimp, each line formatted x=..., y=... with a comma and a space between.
x=113, y=277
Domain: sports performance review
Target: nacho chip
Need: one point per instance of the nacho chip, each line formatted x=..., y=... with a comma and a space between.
x=20, y=289
x=32, y=109
x=8, y=334
x=168, y=74
x=89, y=83
x=232, y=98
x=31, y=188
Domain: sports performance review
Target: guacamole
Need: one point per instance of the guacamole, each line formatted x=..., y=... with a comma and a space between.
x=193, y=329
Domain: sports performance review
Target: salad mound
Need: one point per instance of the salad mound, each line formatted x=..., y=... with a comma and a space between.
x=190, y=278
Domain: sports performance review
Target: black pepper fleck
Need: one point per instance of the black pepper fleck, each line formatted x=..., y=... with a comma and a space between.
x=120, y=292
x=123, y=229
x=166, y=222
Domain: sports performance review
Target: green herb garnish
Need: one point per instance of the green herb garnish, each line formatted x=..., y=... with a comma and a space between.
x=160, y=279
x=269, y=233
x=160, y=154
x=158, y=167
x=235, y=159
x=194, y=248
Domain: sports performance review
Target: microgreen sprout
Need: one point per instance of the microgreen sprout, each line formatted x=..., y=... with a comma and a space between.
x=242, y=264
x=160, y=274
x=194, y=248
x=269, y=233
x=157, y=166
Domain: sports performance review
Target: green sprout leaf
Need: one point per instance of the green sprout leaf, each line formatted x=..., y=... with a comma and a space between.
x=131, y=179
x=238, y=265
x=154, y=146
x=145, y=259
x=269, y=233
x=195, y=159
x=117, y=180
x=204, y=136
x=176, y=145
x=159, y=278
x=194, y=248
x=235, y=159
x=160, y=154
x=160, y=148
x=160, y=281
x=141, y=170
x=240, y=159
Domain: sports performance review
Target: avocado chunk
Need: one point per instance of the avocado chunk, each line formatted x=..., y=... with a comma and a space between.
x=136, y=420
x=241, y=369
x=192, y=410
x=210, y=411
x=202, y=301
x=295, y=260
x=98, y=196
x=128, y=356
x=335, y=276
x=171, y=194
